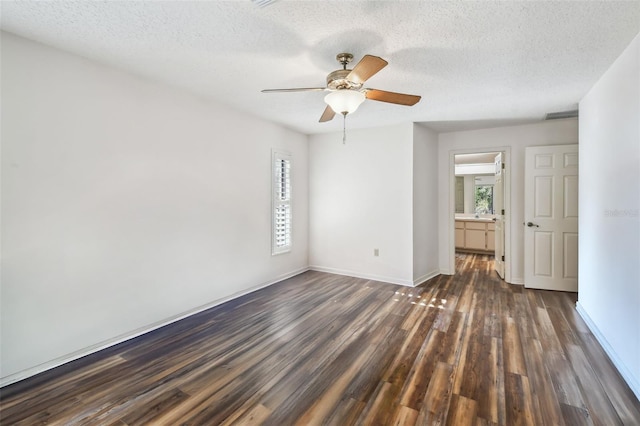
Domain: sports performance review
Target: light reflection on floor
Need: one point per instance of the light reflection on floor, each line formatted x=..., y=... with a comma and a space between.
x=399, y=296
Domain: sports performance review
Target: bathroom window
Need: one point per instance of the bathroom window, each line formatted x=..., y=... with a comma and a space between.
x=484, y=199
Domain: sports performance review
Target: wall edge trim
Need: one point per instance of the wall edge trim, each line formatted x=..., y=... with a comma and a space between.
x=426, y=277
x=390, y=280
x=611, y=353
x=57, y=362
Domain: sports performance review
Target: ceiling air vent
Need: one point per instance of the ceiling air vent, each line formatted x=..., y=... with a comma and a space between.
x=263, y=3
x=563, y=114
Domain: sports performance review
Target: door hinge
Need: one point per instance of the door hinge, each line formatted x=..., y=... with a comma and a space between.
x=503, y=258
x=503, y=165
x=502, y=212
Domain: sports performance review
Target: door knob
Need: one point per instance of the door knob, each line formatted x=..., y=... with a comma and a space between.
x=531, y=225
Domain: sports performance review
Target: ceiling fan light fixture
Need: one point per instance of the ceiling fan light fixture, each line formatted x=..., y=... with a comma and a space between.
x=344, y=101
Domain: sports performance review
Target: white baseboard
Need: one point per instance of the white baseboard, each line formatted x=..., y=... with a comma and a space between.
x=518, y=281
x=613, y=356
x=391, y=280
x=24, y=374
x=425, y=277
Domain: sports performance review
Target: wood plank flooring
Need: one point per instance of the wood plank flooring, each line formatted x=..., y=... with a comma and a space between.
x=318, y=348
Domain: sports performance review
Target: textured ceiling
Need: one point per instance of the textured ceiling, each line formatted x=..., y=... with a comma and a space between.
x=475, y=64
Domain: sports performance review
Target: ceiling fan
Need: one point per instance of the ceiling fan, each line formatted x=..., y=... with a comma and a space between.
x=346, y=88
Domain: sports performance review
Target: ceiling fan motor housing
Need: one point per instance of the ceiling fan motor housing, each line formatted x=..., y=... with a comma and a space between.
x=337, y=80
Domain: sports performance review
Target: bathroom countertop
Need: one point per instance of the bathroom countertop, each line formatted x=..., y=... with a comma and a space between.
x=475, y=219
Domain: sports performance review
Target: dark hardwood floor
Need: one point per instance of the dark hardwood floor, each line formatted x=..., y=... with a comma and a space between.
x=318, y=348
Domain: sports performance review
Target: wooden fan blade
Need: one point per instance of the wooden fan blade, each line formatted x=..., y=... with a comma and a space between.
x=392, y=97
x=327, y=115
x=298, y=89
x=368, y=66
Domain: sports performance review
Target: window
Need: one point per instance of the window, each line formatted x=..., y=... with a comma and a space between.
x=484, y=199
x=281, y=230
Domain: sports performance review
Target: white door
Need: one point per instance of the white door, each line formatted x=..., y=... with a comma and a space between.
x=498, y=208
x=551, y=218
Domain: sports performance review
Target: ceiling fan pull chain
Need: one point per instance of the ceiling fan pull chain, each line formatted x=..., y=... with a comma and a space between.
x=344, y=129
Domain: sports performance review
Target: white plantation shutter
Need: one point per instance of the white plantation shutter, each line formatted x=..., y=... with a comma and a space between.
x=281, y=233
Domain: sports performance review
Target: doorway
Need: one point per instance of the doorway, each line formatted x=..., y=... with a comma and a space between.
x=479, y=208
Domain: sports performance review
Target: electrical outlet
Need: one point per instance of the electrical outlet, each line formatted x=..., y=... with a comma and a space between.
x=376, y=252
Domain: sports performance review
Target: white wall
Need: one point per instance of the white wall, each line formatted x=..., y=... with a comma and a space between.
x=425, y=204
x=512, y=139
x=125, y=204
x=361, y=198
x=609, y=286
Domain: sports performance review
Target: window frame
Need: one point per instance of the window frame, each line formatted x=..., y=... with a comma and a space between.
x=281, y=197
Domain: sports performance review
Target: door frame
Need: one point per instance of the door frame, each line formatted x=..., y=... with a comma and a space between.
x=507, y=205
